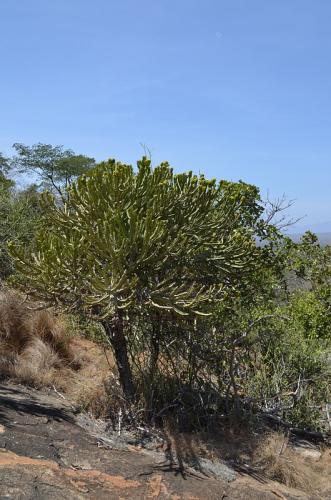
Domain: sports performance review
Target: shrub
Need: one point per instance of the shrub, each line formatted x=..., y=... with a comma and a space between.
x=20, y=215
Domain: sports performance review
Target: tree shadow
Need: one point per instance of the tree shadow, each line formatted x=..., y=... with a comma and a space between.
x=183, y=456
x=15, y=401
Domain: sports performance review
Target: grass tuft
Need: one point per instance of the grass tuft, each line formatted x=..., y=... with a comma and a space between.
x=34, y=345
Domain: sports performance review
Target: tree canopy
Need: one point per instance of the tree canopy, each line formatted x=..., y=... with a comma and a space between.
x=4, y=164
x=54, y=166
x=20, y=216
x=129, y=242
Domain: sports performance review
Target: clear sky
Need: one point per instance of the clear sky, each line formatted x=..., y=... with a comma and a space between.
x=238, y=89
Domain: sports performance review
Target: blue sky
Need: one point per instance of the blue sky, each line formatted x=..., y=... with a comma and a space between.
x=237, y=89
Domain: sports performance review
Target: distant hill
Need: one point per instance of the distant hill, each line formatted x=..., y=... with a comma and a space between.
x=315, y=227
x=322, y=227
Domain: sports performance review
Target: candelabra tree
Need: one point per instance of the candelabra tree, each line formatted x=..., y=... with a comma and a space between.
x=133, y=241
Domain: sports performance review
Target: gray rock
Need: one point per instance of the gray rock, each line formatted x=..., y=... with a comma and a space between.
x=216, y=469
x=307, y=449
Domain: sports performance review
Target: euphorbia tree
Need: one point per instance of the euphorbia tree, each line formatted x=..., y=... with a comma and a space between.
x=131, y=241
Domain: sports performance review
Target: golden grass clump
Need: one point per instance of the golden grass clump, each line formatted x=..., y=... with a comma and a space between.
x=14, y=331
x=95, y=400
x=51, y=332
x=34, y=345
x=280, y=462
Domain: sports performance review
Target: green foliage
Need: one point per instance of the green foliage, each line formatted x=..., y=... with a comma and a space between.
x=145, y=243
x=4, y=165
x=165, y=268
x=147, y=240
x=289, y=373
x=274, y=349
x=54, y=166
x=313, y=316
x=310, y=261
x=19, y=218
x=79, y=325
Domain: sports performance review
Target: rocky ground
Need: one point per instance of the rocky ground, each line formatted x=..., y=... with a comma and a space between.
x=49, y=452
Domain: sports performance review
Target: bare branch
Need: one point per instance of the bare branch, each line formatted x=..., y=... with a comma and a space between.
x=275, y=212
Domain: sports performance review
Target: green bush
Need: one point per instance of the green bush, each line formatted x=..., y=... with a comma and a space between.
x=20, y=216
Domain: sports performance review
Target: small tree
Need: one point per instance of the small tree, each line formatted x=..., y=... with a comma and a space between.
x=131, y=242
x=20, y=214
x=4, y=164
x=54, y=166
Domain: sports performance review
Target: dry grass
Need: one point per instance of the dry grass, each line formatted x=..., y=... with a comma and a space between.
x=280, y=462
x=36, y=349
x=264, y=456
x=96, y=401
x=34, y=345
x=14, y=331
x=51, y=332
x=91, y=386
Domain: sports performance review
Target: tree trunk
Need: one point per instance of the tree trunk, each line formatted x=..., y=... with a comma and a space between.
x=115, y=332
x=154, y=352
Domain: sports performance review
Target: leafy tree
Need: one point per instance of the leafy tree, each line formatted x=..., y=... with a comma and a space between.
x=20, y=215
x=143, y=243
x=4, y=164
x=311, y=263
x=4, y=167
x=55, y=167
x=271, y=345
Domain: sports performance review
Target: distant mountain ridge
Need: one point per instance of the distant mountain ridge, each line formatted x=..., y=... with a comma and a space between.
x=317, y=227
